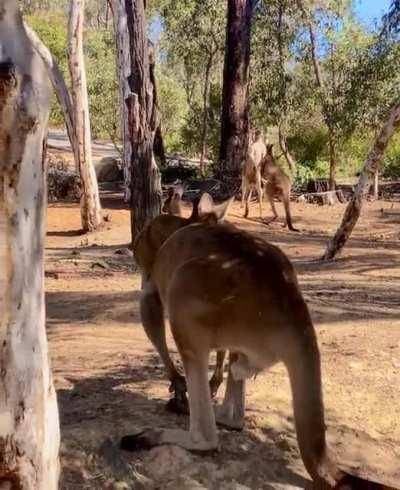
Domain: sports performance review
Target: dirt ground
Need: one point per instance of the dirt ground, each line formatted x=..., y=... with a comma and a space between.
x=110, y=382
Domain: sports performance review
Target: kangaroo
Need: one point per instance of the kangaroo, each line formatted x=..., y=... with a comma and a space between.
x=173, y=206
x=277, y=184
x=225, y=289
x=251, y=172
x=173, y=203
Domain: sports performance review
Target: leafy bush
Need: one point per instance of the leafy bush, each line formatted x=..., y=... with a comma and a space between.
x=102, y=84
x=52, y=30
x=391, y=162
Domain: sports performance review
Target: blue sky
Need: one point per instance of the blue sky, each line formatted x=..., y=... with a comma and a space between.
x=370, y=10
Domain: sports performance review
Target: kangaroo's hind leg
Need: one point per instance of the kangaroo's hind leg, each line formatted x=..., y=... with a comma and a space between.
x=218, y=375
x=152, y=315
x=269, y=189
x=231, y=413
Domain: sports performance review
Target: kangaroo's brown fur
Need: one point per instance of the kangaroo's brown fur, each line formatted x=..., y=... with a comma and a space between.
x=251, y=172
x=226, y=289
x=277, y=184
x=173, y=206
x=173, y=203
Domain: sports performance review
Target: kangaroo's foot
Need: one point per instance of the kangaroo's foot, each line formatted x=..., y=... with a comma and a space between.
x=149, y=438
x=228, y=419
x=270, y=220
x=178, y=403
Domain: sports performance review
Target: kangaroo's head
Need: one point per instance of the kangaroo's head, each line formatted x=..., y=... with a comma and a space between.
x=173, y=203
x=163, y=226
x=269, y=159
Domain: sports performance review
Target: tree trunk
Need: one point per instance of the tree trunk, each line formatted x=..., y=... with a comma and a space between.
x=204, y=128
x=29, y=429
x=235, y=105
x=90, y=200
x=145, y=176
x=124, y=71
x=326, y=111
x=159, y=149
x=376, y=185
x=60, y=88
x=158, y=144
x=286, y=153
x=371, y=165
x=332, y=160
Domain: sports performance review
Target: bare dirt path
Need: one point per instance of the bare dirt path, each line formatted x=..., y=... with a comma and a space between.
x=58, y=140
x=110, y=381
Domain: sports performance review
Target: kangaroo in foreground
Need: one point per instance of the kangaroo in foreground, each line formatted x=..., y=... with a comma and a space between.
x=277, y=184
x=251, y=172
x=225, y=289
x=173, y=206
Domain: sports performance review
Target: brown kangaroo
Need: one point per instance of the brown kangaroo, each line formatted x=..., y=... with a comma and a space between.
x=277, y=184
x=173, y=206
x=226, y=289
x=173, y=203
x=251, y=172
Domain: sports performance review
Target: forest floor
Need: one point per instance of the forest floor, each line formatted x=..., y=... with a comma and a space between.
x=110, y=382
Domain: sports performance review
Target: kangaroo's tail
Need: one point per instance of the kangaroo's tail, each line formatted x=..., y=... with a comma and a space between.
x=302, y=360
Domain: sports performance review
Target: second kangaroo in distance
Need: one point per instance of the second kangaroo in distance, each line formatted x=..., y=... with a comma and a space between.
x=277, y=184
x=251, y=172
x=173, y=203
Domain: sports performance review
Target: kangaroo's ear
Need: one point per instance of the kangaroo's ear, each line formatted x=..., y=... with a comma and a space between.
x=179, y=190
x=206, y=204
x=210, y=212
x=221, y=210
x=269, y=148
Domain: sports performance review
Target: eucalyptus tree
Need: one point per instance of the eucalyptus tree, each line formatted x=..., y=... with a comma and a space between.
x=29, y=429
x=235, y=96
x=275, y=72
x=193, y=40
x=91, y=213
x=138, y=97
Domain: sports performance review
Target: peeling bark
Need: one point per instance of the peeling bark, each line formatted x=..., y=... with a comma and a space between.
x=124, y=72
x=122, y=36
x=90, y=200
x=370, y=168
x=141, y=116
x=29, y=426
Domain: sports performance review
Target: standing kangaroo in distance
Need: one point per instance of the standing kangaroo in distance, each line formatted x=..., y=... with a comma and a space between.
x=226, y=289
x=277, y=184
x=173, y=203
x=251, y=172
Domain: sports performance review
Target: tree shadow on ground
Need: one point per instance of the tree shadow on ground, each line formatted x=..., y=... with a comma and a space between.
x=77, y=307
x=116, y=402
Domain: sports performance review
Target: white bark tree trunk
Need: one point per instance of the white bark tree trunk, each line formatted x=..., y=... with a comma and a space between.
x=29, y=426
x=376, y=184
x=60, y=88
x=371, y=165
x=125, y=93
x=90, y=200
